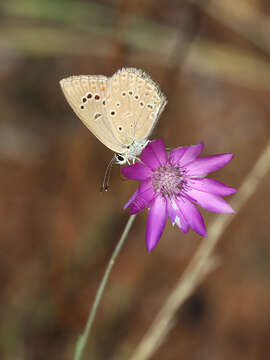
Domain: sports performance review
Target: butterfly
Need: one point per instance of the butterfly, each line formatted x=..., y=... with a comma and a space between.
x=121, y=110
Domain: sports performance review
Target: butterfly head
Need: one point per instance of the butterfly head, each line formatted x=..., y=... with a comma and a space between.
x=131, y=152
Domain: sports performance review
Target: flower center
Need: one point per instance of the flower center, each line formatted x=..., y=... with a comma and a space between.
x=168, y=180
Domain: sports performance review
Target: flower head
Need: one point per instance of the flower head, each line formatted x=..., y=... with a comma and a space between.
x=170, y=184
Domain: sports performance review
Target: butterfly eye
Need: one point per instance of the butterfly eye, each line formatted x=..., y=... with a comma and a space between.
x=136, y=97
x=89, y=95
x=141, y=104
x=112, y=113
x=119, y=157
x=97, y=97
x=124, y=93
x=120, y=128
x=84, y=99
x=82, y=107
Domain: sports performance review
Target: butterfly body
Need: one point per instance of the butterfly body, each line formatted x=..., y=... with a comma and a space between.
x=121, y=111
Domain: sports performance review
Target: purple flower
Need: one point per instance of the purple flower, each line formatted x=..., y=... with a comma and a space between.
x=170, y=184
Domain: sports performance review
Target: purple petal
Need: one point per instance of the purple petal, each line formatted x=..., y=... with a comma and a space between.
x=171, y=211
x=190, y=154
x=207, y=164
x=130, y=200
x=137, y=171
x=144, y=197
x=175, y=215
x=154, y=154
x=192, y=216
x=176, y=154
x=155, y=222
x=211, y=186
x=145, y=185
x=210, y=202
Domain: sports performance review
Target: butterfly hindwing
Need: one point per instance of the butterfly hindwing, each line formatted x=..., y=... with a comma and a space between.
x=134, y=104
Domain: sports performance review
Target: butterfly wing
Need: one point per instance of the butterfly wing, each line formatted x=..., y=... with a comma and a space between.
x=134, y=104
x=86, y=95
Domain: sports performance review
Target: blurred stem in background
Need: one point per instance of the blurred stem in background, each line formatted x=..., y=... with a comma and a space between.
x=81, y=343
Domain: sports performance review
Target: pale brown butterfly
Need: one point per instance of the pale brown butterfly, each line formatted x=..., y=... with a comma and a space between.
x=121, y=111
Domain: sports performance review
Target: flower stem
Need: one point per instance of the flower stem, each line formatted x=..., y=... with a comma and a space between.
x=81, y=343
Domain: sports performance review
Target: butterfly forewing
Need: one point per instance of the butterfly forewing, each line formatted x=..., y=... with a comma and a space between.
x=87, y=97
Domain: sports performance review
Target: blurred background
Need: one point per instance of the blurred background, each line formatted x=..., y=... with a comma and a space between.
x=58, y=231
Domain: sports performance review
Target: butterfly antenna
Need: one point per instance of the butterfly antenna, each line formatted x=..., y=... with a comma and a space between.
x=106, y=179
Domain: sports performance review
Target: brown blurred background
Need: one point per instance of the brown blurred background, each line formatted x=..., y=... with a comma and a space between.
x=58, y=230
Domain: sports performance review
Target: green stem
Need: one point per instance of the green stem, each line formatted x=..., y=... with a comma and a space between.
x=81, y=343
